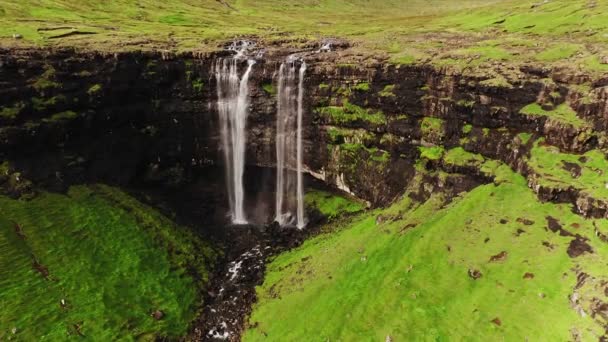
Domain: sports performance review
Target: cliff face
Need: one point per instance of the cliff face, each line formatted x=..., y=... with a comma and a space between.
x=69, y=117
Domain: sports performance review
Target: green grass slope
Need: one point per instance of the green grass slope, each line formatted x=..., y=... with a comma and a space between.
x=411, y=275
x=94, y=263
x=569, y=32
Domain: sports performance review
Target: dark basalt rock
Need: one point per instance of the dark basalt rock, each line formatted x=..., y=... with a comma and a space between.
x=578, y=247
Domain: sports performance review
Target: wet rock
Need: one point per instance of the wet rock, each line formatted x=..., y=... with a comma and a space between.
x=578, y=247
x=475, y=274
x=17, y=36
x=158, y=315
x=502, y=256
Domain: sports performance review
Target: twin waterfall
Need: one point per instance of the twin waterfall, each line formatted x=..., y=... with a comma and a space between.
x=233, y=110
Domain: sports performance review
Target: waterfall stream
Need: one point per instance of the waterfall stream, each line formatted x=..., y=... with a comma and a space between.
x=233, y=109
x=290, y=193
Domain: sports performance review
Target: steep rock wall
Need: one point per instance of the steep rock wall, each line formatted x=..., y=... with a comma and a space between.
x=69, y=117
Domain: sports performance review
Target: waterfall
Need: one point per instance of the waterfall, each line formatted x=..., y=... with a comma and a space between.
x=233, y=108
x=289, y=145
x=300, y=192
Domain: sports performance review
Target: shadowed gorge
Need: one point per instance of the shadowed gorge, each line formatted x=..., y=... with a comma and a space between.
x=294, y=171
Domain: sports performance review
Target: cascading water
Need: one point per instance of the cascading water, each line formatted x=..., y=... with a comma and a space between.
x=290, y=194
x=233, y=109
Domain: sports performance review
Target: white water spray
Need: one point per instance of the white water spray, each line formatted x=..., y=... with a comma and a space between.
x=233, y=109
x=289, y=145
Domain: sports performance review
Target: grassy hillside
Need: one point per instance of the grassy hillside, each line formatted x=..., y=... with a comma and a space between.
x=95, y=263
x=573, y=32
x=486, y=267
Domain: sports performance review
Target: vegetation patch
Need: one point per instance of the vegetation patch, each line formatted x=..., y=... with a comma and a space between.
x=432, y=129
x=96, y=263
x=459, y=157
x=269, y=88
x=197, y=85
x=562, y=113
x=362, y=86
x=431, y=153
x=338, y=135
x=94, y=89
x=497, y=82
x=350, y=113
x=558, y=52
x=331, y=205
x=554, y=169
x=11, y=113
x=388, y=91
x=67, y=115
x=46, y=80
x=42, y=104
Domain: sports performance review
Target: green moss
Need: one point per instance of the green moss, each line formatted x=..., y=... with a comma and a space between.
x=197, y=85
x=110, y=259
x=5, y=170
x=389, y=139
x=374, y=154
x=350, y=113
x=466, y=103
x=344, y=91
x=84, y=73
x=431, y=153
x=362, y=86
x=67, y=115
x=42, y=104
x=323, y=86
x=94, y=89
x=388, y=91
x=432, y=129
x=331, y=205
x=339, y=136
x=498, y=82
x=269, y=88
x=13, y=112
x=524, y=137
x=466, y=129
x=563, y=113
x=459, y=157
x=46, y=80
